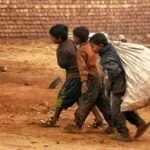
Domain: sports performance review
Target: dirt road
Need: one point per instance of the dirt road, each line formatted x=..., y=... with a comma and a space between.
x=25, y=99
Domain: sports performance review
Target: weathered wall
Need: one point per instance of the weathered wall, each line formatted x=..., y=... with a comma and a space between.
x=27, y=18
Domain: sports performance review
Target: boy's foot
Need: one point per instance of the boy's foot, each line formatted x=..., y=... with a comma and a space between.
x=73, y=129
x=97, y=125
x=121, y=138
x=141, y=130
x=109, y=130
x=50, y=123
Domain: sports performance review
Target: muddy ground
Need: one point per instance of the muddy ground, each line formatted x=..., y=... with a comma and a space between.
x=25, y=99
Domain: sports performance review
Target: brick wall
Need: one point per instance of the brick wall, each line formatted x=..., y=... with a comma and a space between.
x=32, y=18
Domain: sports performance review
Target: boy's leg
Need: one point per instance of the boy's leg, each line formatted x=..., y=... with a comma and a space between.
x=52, y=122
x=98, y=118
x=68, y=95
x=118, y=117
x=136, y=120
x=85, y=104
x=87, y=101
x=103, y=104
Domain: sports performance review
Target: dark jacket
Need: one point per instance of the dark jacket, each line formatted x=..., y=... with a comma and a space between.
x=112, y=64
x=66, y=58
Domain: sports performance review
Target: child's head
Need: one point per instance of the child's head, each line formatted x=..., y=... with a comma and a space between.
x=80, y=35
x=98, y=42
x=59, y=33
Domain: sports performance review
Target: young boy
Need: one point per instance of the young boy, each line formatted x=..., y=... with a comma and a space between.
x=91, y=79
x=66, y=59
x=115, y=81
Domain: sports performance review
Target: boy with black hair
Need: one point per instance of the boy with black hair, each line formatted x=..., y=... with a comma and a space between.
x=66, y=59
x=115, y=81
x=91, y=78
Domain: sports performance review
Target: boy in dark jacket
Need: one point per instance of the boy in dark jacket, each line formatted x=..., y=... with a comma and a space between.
x=115, y=83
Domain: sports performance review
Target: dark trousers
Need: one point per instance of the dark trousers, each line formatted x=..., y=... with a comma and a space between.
x=69, y=93
x=134, y=118
x=119, y=118
x=94, y=95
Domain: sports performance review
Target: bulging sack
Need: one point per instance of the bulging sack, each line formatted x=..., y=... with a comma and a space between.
x=136, y=61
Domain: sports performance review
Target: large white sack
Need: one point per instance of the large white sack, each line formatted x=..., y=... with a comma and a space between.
x=136, y=61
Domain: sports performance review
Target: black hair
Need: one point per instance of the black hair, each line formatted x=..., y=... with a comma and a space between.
x=59, y=31
x=99, y=38
x=82, y=33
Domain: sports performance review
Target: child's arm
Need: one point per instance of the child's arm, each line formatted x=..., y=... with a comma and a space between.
x=111, y=66
x=83, y=70
x=82, y=66
x=62, y=58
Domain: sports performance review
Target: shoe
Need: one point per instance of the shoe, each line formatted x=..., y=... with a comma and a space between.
x=97, y=125
x=141, y=130
x=109, y=130
x=124, y=139
x=50, y=123
x=73, y=129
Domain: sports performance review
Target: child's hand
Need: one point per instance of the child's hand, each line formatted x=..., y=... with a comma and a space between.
x=106, y=79
x=106, y=82
x=84, y=87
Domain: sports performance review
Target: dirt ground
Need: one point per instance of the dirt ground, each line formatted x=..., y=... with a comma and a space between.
x=25, y=99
